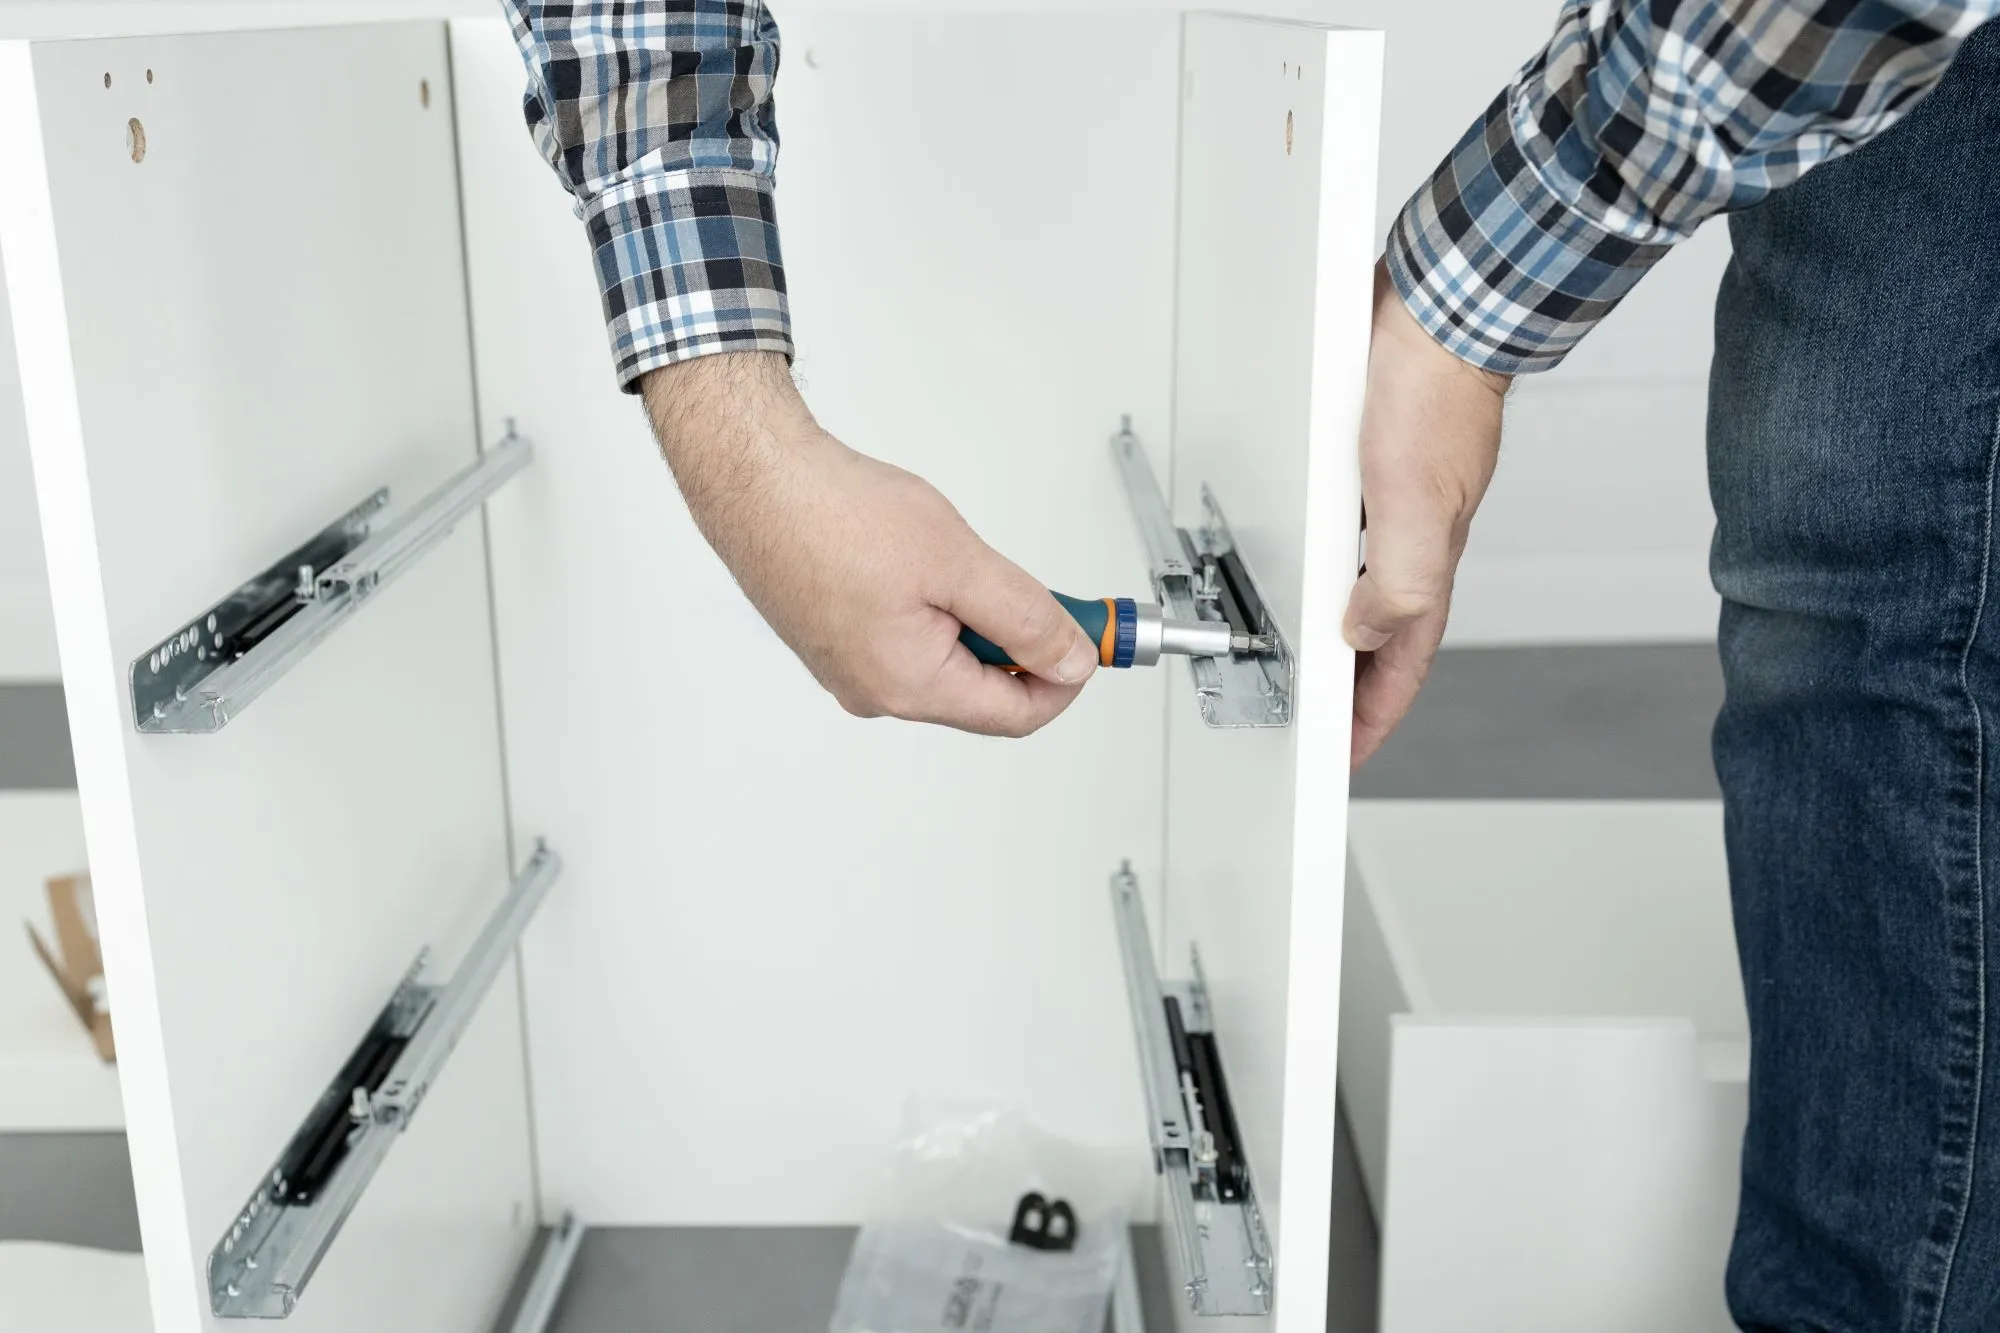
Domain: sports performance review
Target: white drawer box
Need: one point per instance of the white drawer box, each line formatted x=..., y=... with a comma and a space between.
x=1544, y=1055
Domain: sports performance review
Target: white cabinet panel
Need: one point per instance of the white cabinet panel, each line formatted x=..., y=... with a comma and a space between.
x=225, y=341
x=27, y=624
x=1278, y=167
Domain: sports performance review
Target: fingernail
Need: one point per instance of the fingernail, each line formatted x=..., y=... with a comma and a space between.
x=1082, y=660
x=1364, y=639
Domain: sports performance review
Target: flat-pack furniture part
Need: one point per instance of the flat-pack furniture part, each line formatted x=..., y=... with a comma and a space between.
x=213, y=362
x=74, y=962
x=1544, y=1057
x=53, y=1077
x=253, y=398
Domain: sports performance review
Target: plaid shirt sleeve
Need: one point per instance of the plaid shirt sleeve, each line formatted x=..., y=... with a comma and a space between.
x=1639, y=120
x=657, y=115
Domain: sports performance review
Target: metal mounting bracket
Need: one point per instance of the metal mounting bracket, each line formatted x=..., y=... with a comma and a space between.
x=1225, y=1255
x=1202, y=575
x=210, y=669
x=262, y=1263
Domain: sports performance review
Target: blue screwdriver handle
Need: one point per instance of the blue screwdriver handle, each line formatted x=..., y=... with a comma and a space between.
x=1111, y=622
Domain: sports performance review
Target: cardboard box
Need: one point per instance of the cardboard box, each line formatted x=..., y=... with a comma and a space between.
x=76, y=963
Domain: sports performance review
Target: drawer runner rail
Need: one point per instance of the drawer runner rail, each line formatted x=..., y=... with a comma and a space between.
x=260, y=1267
x=210, y=669
x=1218, y=1230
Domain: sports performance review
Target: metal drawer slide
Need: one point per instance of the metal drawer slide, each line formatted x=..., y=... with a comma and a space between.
x=262, y=1263
x=210, y=669
x=1200, y=574
x=1225, y=1256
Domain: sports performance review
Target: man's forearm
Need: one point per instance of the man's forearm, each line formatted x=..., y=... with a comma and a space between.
x=1637, y=122
x=658, y=118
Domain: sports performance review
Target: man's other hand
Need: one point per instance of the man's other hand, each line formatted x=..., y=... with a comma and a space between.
x=1430, y=433
x=863, y=569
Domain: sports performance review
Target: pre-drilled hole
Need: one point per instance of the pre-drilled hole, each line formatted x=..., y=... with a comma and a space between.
x=149, y=76
x=107, y=78
x=1288, y=133
x=135, y=139
x=424, y=91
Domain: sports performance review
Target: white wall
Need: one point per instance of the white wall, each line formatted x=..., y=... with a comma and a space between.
x=1597, y=525
x=1598, y=522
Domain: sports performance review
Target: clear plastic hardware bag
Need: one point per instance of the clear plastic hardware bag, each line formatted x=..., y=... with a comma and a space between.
x=938, y=1258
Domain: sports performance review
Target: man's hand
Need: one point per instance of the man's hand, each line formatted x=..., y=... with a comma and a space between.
x=864, y=570
x=1430, y=433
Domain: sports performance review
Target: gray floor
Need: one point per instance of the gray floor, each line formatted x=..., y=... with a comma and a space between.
x=34, y=739
x=1603, y=722
x=74, y=1189
x=744, y=1280
x=1529, y=723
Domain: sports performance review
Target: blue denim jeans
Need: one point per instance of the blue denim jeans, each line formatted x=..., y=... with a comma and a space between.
x=1854, y=429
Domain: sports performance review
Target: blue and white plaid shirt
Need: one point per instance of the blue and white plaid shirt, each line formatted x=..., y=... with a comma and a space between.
x=657, y=115
x=1639, y=119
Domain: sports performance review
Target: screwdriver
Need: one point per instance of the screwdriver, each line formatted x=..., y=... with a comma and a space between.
x=1130, y=633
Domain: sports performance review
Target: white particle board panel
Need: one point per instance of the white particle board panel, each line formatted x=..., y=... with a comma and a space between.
x=1568, y=969
x=50, y=1075
x=1277, y=208
x=216, y=362
x=27, y=622
x=776, y=906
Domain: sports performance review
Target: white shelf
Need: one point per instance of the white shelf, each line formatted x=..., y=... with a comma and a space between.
x=50, y=1076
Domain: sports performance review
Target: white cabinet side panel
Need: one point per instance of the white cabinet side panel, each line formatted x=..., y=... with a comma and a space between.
x=781, y=920
x=27, y=622
x=224, y=346
x=1278, y=169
